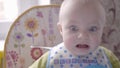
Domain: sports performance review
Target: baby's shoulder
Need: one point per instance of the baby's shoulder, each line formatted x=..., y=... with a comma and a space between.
x=106, y=50
x=41, y=62
x=112, y=57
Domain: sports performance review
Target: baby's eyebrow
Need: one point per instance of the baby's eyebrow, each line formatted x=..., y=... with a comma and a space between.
x=72, y=21
x=72, y=26
x=94, y=24
x=69, y=26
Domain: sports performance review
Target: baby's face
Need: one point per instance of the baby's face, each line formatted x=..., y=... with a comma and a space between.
x=82, y=31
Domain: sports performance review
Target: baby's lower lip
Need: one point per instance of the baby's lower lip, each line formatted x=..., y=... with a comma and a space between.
x=85, y=46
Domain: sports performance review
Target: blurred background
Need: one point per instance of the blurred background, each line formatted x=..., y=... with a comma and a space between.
x=10, y=10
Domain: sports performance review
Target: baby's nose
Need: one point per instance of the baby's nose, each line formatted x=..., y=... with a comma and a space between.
x=83, y=35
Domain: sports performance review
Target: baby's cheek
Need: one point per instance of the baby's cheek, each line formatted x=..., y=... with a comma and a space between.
x=96, y=41
x=69, y=41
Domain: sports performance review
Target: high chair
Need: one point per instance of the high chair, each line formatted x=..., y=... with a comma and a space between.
x=32, y=34
x=1, y=59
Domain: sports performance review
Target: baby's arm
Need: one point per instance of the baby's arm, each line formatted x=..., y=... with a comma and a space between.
x=41, y=62
x=113, y=59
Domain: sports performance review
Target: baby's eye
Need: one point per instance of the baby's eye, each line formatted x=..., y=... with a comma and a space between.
x=73, y=28
x=93, y=29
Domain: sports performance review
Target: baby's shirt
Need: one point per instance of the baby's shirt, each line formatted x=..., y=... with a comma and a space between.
x=65, y=59
x=61, y=57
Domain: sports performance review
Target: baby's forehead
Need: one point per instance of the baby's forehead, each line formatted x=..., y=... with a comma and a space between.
x=80, y=3
x=84, y=22
x=82, y=9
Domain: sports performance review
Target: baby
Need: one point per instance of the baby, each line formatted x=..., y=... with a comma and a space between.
x=81, y=24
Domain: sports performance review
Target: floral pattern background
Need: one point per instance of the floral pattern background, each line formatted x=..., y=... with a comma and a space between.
x=111, y=35
x=36, y=27
x=36, y=53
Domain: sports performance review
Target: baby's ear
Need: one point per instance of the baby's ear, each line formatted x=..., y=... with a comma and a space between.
x=59, y=25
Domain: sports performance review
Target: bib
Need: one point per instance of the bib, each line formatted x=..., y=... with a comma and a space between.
x=60, y=57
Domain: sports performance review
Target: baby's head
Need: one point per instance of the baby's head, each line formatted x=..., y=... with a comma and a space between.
x=81, y=24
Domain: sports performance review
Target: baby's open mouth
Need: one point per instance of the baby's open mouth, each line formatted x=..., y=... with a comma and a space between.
x=82, y=46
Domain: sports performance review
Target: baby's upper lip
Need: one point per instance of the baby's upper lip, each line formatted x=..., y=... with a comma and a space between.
x=82, y=46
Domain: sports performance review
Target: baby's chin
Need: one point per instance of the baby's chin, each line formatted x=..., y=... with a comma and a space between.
x=82, y=52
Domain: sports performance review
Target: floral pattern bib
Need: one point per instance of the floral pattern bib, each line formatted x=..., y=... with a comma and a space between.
x=60, y=57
